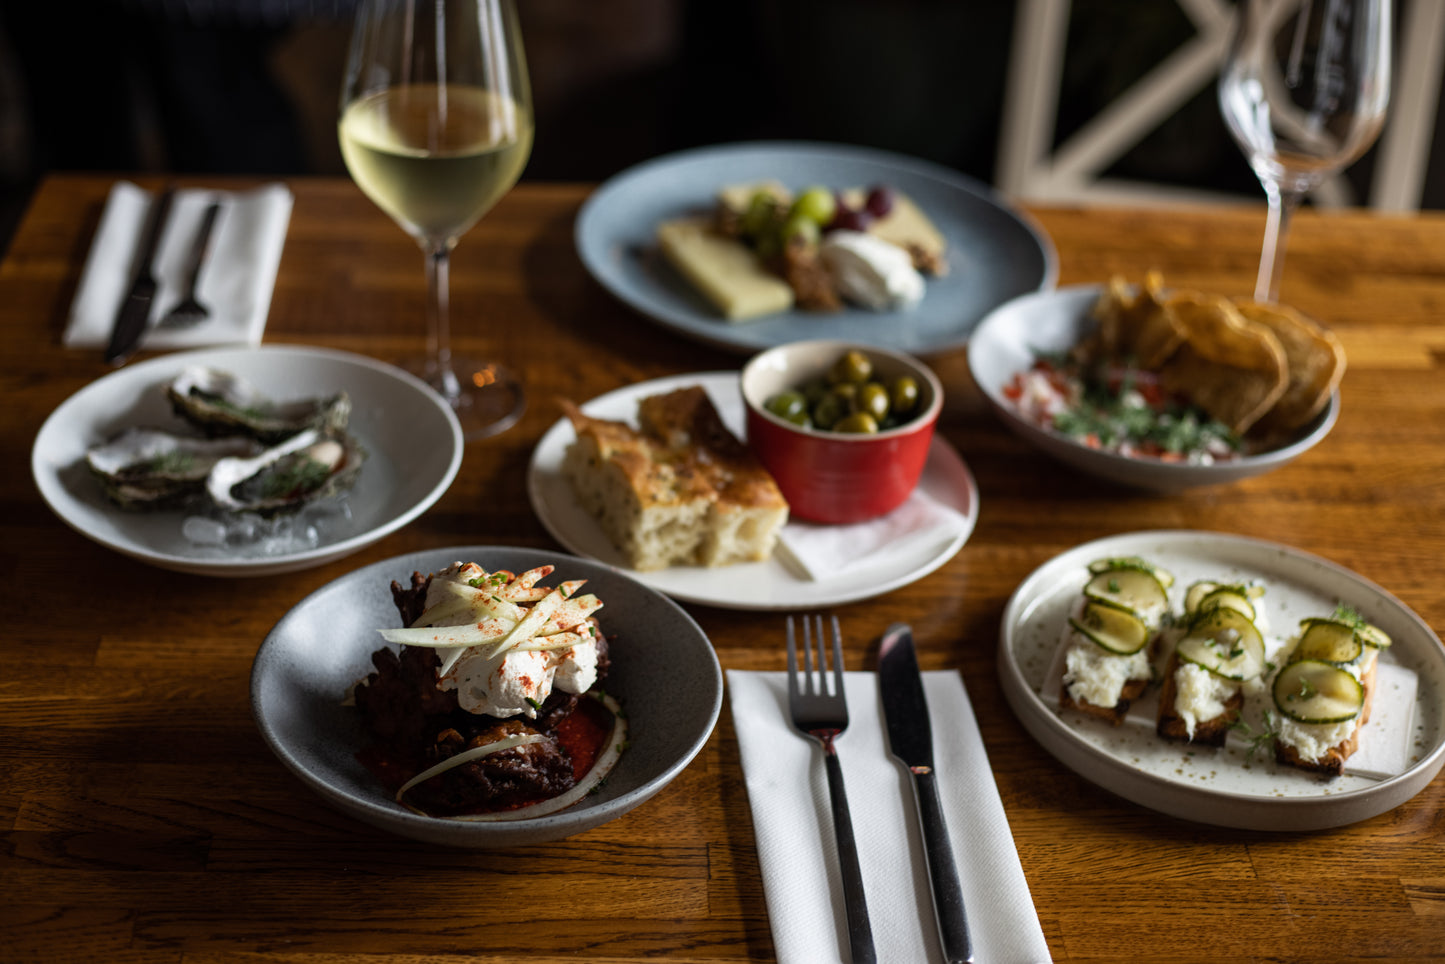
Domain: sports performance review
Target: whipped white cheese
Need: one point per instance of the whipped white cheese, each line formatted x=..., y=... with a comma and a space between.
x=514, y=683
x=870, y=271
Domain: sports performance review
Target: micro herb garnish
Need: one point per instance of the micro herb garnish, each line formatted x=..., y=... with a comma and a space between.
x=293, y=476
x=475, y=583
x=1113, y=585
x=1306, y=690
x=171, y=462
x=1345, y=613
x=1260, y=739
x=533, y=703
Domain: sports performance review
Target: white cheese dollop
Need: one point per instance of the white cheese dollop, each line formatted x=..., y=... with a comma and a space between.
x=1199, y=694
x=516, y=682
x=870, y=271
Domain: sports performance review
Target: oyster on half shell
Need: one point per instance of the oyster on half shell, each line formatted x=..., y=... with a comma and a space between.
x=219, y=403
x=310, y=465
x=144, y=468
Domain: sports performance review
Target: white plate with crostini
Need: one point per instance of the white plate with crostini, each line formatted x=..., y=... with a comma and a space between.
x=772, y=584
x=1230, y=787
x=995, y=251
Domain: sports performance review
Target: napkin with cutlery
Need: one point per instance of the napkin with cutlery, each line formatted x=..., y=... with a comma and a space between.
x=792, y=821
x=236, y=282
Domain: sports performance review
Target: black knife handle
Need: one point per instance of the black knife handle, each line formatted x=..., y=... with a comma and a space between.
x=942, y=871
x=860, y=932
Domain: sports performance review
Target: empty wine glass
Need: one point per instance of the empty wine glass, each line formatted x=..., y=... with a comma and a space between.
x=1304, y=92
x=435, y=126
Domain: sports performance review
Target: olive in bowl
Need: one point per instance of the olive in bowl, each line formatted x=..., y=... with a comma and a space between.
x=844, y=429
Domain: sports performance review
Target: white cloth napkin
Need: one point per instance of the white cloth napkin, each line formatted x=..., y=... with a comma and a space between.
x=823, y=551
x=236, y=282
x=792, y=820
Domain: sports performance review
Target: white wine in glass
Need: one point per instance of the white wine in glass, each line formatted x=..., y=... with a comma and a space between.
x=1304, y=92
x=435, y=127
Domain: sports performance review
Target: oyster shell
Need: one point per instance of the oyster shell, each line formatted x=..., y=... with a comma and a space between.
x=220, y=403
x=309, y=466
x=145, y=468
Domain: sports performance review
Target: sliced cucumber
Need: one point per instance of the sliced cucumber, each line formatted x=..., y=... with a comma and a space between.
x=1229, y=597
x=1165, y=577
x=1136, y=590
x=1311, y=691
x=1110, y=628
x=1197, y=592
x=1224, y=642
x=1372, y=635
x=1329, y=642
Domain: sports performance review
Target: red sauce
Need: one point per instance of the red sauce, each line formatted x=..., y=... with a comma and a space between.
x=582, y=735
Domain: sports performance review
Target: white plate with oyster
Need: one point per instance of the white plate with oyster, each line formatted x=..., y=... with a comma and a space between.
x=243, y=462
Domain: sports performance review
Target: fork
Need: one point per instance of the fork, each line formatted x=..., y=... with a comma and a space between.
x=190, y=311
x=823, y=716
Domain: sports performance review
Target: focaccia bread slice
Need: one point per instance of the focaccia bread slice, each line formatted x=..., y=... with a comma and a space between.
x=682, y=490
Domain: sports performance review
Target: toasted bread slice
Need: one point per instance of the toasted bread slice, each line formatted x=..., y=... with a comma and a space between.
x=1172, y=726
x=1115, y=714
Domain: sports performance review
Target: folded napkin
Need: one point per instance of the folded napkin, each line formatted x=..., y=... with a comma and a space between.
x=792, y=820
x=236, y=282
x=823, y=551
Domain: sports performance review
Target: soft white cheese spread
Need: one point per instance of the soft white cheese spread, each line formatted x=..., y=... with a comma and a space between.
x=870, y=271
x=1199, y=694
x=516, y=682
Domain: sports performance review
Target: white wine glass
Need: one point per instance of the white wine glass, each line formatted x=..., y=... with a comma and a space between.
x=1304, y=92
x=435, y=127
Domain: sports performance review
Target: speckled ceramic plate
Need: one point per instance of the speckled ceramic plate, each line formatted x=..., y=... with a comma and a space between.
x=1229, y=787
x=664, y=672
x=995, y=251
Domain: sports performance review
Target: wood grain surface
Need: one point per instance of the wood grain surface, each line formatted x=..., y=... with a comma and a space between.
x=142, y=818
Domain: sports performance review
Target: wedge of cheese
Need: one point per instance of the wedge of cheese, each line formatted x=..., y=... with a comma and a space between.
x=725, y=271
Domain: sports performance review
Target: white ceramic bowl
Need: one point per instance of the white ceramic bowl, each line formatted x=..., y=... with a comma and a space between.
x=1011, y=337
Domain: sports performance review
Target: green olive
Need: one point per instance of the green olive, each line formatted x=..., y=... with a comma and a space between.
x=814, y=389
x=903, y=394
x=859, y=423
x=799, y=226
x=830, y=408
x=789, y=405
x=853, y=367
x=873, y=399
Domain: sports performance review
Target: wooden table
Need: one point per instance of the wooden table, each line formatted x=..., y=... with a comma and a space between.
x=143, y=818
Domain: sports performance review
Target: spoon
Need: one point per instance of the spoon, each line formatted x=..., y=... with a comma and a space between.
x=190, y=311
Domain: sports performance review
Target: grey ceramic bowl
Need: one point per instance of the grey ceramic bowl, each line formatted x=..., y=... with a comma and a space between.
x=1008, y=341
x=664, y=672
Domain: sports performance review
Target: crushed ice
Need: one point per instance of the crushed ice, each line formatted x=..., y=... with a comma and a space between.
x=247, y=535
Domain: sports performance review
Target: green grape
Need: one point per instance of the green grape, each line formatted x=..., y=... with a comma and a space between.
x=816, y=204
x=799, y=226
x=760, y=216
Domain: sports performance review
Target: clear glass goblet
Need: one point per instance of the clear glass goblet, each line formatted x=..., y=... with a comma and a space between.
x=435, y=127
x=1304, y=92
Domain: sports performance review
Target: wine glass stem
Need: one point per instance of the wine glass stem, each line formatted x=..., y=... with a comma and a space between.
x=439, y=349
x=1282, y=205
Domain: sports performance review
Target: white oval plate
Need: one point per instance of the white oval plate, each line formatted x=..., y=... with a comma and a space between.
x=1009, y=341
x=1220, y=787
x=995, y=250
x=768, y=585
x=413, y=443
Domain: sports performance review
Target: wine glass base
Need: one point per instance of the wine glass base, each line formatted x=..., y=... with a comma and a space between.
x=486, y=398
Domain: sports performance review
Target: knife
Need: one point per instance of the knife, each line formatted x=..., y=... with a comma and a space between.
x=910, y=737
x=130, y=319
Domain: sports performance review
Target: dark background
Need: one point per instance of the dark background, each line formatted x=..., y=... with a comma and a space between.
x=251, y=86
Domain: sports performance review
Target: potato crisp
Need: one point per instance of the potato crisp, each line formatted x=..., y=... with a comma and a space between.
x=1259, y=369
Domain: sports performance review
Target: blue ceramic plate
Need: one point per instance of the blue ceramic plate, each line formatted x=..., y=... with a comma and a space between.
x=994, y=252
x=664, y=673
